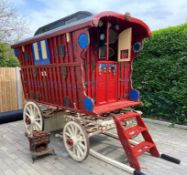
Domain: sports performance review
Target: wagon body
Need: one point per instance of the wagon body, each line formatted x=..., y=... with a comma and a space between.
x=83, y=65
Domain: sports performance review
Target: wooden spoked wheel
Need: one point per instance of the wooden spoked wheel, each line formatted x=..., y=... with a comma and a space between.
x=76, y=141
x=32, y=118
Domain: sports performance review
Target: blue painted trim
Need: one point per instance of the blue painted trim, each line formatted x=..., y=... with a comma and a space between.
x=39, y=50
x=33, y=52
x=83, y=40
x=134, y=94
x=16, y=52
x=47, y=48
x=88, y=104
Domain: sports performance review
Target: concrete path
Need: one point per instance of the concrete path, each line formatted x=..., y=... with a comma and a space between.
x=15, y=157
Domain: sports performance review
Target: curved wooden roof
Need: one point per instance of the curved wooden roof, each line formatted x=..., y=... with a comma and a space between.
x=91, y=21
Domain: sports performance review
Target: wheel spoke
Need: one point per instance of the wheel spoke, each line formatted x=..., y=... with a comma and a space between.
x=37, y=125
x=28, y=115
x=66, y=133
x=74, y=150
x=34, y=127
x=29, y=127
x=28, y=110
x=75, y=131
x=78, y=152
x=35, y=112
x=70, y=131
x=81, y=139
x=38, y=120
x=80, y=149
x=82, y=145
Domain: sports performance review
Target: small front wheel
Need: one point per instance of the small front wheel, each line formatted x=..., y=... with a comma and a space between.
x=76, y=141
x=32, y=117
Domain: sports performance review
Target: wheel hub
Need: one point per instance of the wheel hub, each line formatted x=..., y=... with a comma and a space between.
x=69, y=142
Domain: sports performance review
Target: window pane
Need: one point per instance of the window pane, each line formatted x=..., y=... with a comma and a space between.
x=36, y=53
x=44, y=50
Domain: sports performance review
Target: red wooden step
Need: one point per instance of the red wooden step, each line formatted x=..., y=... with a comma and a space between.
x=134, y=131
x=142, y=148
x=132, y=152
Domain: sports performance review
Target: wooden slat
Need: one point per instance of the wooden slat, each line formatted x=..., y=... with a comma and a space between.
x=8, y=90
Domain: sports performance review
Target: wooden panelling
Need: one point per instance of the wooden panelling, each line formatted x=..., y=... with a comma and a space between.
x=8, y=90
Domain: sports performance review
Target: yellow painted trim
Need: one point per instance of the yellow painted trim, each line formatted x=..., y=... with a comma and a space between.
x=68, y=37
x=36, y=53
x=23, y=49
x=124, y=42
x=44, y=49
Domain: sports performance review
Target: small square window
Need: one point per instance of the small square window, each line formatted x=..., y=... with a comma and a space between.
x=61, y=51
x=124, y=54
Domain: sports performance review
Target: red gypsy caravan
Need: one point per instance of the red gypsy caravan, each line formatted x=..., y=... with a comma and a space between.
x=76, y=76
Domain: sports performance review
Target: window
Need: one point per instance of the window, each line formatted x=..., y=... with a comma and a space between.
x=107, y=41
x=41, y=52
x=124, y=45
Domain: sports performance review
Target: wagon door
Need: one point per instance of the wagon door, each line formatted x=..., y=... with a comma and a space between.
x=124, y=59
x=114, y=54
x=107, y=69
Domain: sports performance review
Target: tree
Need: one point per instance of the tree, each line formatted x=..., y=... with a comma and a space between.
x=7, y=58
x=12, y=26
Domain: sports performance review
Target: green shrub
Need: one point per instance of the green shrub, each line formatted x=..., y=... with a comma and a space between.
x=160, y=73
x=7, y=58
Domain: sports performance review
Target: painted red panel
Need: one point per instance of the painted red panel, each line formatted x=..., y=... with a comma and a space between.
x=112, y=80
x=101, y=83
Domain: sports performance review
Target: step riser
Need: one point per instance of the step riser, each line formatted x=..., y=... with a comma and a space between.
x=125, y=134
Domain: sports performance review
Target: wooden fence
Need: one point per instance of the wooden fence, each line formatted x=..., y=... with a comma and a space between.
x=11, y=96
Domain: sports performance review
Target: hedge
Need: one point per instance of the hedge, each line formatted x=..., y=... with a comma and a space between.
x=160, y=74
x=7, y=58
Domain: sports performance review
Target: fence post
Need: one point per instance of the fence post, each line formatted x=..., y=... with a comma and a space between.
x=18, y=84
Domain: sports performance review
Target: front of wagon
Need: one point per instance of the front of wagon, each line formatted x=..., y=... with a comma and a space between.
x=118, y=39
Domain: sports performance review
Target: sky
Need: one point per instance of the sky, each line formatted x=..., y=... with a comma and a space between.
x=156, y=13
